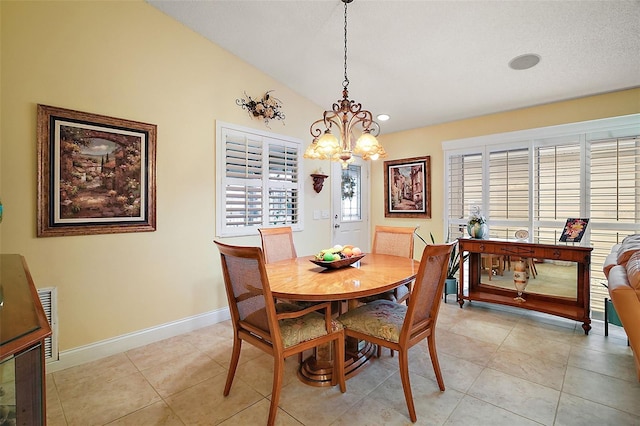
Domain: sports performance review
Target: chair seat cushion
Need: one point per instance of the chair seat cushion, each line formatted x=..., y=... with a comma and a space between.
x=381, y=318
x=307, y=327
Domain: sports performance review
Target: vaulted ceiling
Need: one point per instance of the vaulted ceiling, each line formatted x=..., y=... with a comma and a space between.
x=428, y=62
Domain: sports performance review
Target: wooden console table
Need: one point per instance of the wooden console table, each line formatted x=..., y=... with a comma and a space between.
x=23, y=328
x=575, y=308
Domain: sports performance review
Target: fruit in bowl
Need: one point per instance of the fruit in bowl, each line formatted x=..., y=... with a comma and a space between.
x=338, y=252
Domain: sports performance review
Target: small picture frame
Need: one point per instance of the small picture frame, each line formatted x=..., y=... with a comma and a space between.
x=407, y=188
x=574, y=230
x=96, y=174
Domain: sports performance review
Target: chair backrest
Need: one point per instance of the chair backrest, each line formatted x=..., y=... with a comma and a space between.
x=422, y=309
x=393, y=240
x=247, y=286
x=277, y=244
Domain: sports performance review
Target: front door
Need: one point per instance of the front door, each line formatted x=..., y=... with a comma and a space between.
x=350, y=204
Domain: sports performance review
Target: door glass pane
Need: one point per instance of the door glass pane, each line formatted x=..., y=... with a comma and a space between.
x=351, y=199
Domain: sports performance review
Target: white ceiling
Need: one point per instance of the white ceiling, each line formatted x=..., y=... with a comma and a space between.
x=428, y=62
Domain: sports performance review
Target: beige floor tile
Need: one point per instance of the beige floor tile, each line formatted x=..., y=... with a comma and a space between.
x=616, y=393
x=99, y=402
x=538, y=346
x=610, y=344
x=621, y=365
x=204, y=404
x=376, y=372
x=159, y=353
x=157, y=414
x=529, y=367
x=457, y=373
x=181, y=373
x=221, y=351
x=473, y=350
x=546, y=330
x=514, y=380
x=472, y=411
x=258, y=373
x=55, y=413
x=432, y=405
x=370, y=412
x=105, y=369
x=257, y=414
x=492, y=315
x=576, y=411
x=312, y=405
x=481, y=330
x=541, y=318
x=527, y=399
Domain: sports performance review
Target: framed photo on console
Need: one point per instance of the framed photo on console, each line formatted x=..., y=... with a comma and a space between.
x=574, y=230
x=96, y=174
x=407, y=188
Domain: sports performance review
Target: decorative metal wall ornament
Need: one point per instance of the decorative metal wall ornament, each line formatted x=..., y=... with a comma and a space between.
x=346, y=115
x=266, y=108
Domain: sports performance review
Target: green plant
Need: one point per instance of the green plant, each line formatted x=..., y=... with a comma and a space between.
x=454, y=258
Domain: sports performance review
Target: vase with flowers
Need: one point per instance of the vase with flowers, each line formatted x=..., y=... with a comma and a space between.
x=477, y=225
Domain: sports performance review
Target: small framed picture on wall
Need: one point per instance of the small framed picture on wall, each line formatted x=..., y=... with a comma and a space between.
x=407, y=187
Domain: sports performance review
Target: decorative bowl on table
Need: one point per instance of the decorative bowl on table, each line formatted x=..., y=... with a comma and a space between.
x=336, y=264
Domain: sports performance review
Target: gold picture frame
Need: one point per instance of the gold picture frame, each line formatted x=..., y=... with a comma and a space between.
x=96, y=174
x=407, y=187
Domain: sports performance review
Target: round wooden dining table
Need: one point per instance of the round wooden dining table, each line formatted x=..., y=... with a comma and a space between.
x=301, y=280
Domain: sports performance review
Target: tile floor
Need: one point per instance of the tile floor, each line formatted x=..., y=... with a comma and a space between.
x=501, y=367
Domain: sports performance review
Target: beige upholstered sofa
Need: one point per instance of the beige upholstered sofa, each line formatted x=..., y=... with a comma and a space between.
x=622, y=268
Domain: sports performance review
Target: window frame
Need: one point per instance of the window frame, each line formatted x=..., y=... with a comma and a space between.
x=582, y=134
x=267, y=139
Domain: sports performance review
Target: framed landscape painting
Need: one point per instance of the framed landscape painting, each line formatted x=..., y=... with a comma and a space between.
x=96, y=174
x=407, y=188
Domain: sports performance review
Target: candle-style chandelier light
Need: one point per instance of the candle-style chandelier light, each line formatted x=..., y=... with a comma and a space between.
x=344, y=117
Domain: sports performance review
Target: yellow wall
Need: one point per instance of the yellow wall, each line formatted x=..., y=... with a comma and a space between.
x=428, y=141
x=128, y=60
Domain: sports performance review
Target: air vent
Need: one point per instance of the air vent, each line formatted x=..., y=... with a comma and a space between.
x=48, y=298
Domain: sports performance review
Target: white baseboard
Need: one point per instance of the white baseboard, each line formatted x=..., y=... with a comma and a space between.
x=104, y=348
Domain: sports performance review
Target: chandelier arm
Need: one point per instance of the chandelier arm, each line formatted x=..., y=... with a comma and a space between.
x=329, y=120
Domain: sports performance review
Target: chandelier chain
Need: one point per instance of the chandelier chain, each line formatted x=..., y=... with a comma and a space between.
x=345, y=83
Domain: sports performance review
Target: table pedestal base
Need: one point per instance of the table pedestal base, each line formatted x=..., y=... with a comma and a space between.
x=317, y=370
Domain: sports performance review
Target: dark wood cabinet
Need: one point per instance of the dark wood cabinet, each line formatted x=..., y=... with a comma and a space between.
x=23, y=328
x=565, y=295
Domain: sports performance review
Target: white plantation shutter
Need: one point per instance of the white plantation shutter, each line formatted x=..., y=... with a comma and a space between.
x=558, y=190
x=509, y=184
x=464, y=182
x=283, y=183
x=260, y=181
x=615, y=171
x=538, y=178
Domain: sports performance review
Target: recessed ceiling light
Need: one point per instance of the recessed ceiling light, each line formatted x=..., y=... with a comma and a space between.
x=524, y=62
x=383, y=117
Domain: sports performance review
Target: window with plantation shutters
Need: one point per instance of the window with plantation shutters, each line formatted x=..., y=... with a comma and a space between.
x=259, y=181
x=465, y=190
x=509, y=184
x=538, y=178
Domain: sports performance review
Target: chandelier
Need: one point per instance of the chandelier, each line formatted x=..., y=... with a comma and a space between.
x=345, y=117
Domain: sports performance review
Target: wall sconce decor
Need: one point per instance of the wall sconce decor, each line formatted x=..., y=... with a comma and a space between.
x=266, y=108
x=318, y=181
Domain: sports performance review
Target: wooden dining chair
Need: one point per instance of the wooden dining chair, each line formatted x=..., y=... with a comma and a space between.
x=258, y=321
x=277, y=244
x=399, y=327
x=396, y=241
